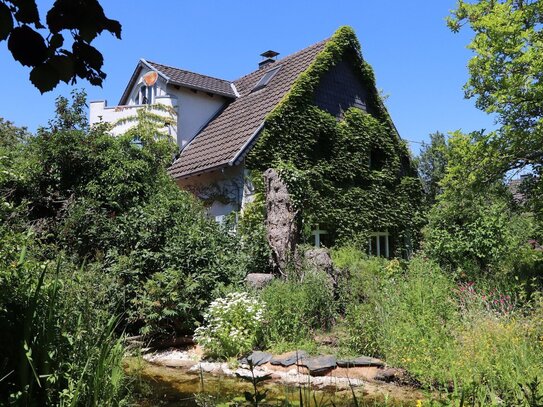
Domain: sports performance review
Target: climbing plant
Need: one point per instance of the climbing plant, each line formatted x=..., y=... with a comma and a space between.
x=353, y=175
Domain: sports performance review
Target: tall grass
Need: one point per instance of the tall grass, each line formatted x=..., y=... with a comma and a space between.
x=60, y=347
x=480, y=347
x=295, y=308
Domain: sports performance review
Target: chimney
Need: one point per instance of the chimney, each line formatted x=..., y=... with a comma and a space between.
x=268, y=58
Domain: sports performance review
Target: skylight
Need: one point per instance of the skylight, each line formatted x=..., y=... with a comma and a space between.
x=266, y=78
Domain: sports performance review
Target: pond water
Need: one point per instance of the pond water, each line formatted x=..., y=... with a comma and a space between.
x=169, y=387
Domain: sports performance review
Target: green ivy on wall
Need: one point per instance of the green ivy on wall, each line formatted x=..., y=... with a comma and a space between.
x=353, y=176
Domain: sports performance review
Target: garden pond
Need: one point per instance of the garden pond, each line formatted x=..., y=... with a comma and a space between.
x=167, y=386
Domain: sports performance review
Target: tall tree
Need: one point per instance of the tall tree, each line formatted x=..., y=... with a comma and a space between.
x=432, y=162
x=40, y=45
x=506, y=75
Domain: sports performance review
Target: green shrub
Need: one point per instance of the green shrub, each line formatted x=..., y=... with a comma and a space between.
x=493, y=356
x=233, y=326
x=102, y=198
x=251, y=229
x=294, y=309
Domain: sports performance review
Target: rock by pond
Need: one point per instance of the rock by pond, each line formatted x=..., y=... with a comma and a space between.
x=257, y=358
x=360, y=362
x=319, y=365
x=289, y=358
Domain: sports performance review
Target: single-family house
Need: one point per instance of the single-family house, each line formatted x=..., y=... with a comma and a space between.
x=348, y=152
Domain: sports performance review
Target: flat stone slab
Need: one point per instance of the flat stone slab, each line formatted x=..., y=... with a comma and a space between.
x=257, y=358
x=289, y=359
x=319, y=365
x=258, y=374
x=362, y=361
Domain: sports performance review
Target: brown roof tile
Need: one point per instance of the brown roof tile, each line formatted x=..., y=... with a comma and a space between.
x=195, y=80
x=226, y=137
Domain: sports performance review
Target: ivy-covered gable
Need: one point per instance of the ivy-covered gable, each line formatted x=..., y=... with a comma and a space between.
x=341, y=88
x=338, y=150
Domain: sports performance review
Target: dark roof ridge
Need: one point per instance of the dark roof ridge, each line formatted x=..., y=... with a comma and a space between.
x=186, y=70
x=284, y=59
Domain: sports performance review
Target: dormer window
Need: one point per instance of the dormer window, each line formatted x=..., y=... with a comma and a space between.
x=266, y=78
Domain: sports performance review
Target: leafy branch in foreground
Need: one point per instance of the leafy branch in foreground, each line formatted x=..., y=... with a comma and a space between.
x=40, y=45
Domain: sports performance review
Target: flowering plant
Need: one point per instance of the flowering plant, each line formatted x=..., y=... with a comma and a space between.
x=233, y=326
x=492, y=301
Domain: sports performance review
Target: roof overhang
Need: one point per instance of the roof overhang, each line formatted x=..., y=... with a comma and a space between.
x=142, y=63
x=236, y=160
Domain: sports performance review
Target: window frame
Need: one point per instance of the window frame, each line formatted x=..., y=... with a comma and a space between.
x=377, y=236
x=263, y=81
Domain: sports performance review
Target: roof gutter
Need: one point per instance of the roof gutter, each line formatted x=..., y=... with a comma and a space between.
x=198, y=172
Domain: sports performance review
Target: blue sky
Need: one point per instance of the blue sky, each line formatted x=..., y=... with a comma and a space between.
x=416, y=59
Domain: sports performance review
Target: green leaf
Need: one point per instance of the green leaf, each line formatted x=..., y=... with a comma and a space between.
x=64, y=67
x=56, y=41
x=44, y=77
x=6, y=21
x=90, y=55
x=27, y=12
x=248, y=396
x=27, y=46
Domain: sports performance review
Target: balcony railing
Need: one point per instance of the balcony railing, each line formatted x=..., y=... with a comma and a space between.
x=122, y=118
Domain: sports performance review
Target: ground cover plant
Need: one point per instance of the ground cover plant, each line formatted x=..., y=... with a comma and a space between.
x=474, y=340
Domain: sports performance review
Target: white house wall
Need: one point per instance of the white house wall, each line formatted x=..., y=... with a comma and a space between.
x=223, y=191
x=195, y=109
x=100, y=112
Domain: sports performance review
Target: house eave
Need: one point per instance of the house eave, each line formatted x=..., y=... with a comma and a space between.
x=201, y=89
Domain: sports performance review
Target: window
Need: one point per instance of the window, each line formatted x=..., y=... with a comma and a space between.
x=318, y=236
x=378, y=244
x=146, y=95
x=377, y=159
x=266, y=78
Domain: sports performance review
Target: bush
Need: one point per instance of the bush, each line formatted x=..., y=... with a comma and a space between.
x=360, y=297
x=177, y=262
x=477, y=339
x=494, y=357
x=233, y=326
x=296, y=308
x=107, y=199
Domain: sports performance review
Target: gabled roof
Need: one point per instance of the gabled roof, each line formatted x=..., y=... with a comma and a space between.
x=227, y=137
x=181, y=77
x=195, y=80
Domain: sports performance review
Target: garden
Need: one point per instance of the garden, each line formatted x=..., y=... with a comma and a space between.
x=89, y=257
x=105, y=261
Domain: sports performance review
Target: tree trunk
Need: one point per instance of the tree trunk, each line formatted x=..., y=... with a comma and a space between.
x=282, y=221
